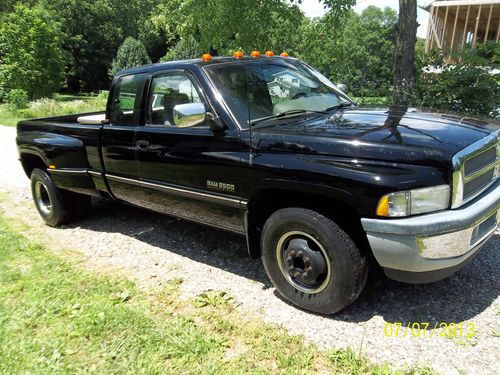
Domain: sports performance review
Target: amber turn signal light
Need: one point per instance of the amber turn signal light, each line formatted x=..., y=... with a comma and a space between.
x=383, y=206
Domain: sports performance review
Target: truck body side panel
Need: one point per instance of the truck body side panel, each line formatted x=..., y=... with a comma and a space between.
x=71, y=149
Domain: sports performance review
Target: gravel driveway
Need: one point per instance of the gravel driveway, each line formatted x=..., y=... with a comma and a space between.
x=152, y=249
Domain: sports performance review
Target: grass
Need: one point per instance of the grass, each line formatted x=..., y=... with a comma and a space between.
x=56, y=317
x=9, y=118
x=57, y=106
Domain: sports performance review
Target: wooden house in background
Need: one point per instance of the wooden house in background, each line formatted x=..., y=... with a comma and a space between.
x=455, y=23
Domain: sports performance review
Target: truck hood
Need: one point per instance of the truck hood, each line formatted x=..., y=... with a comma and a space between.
x=395, y=134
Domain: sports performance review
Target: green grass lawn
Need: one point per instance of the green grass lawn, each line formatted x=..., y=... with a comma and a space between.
x=57, y=317
x=7, y=117
x=59, y=105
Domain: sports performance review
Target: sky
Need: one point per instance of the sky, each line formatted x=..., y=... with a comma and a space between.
x=314, y=8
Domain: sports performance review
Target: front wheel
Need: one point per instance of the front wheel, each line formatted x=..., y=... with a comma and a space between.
x=311, y=261
x=55, y=206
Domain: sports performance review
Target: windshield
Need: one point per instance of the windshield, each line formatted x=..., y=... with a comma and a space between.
x=262, y=88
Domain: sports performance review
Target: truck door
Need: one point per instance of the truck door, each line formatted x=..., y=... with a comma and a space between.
x=187, y=170
x=118, y=142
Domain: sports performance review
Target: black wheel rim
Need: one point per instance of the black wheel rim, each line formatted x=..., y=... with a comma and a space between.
x=303, y=262
x=42, y=198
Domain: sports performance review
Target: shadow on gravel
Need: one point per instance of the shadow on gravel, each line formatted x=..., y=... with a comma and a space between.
x=457, y=298
x=212, y=246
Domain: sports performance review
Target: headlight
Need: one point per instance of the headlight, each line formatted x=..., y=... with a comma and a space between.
x=413, y=202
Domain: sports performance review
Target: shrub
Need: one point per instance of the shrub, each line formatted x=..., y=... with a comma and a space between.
x=461, y=88
x=471, y=86
x=17, y=99
x=131, y=53
x=186, y=48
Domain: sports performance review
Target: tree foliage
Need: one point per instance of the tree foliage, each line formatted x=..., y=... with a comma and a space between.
x=131, y=53
x=30, y=55
x=360, y=54
x=225, y=25
x=80, y=41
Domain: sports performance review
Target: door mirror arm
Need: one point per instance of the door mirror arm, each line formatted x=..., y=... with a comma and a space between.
x=215, y=123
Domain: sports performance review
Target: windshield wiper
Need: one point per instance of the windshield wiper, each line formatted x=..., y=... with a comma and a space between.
x=340, y=106
x=285, y=114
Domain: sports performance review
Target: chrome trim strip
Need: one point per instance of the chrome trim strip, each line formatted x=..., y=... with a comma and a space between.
x=95, y=174
x=67, y=171
x=232, y=202
x=458, y=176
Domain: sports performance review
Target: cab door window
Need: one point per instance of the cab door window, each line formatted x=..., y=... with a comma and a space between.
x=167, y=91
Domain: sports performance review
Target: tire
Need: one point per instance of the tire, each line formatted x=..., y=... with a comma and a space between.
x=56, y=206
x=311, y=261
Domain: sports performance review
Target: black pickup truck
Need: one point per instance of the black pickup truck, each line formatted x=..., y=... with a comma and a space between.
x=269, y=148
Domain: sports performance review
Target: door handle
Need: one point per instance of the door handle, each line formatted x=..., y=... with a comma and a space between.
x=142, y=145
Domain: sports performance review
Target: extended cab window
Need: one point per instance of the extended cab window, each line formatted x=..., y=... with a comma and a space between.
x=169, y=90
x=125, y=102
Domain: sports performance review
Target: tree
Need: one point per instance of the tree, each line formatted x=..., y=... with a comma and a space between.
x=222, y=26
x=131, y=53
x=359, y=53
x=404, y=53
x=92, y=32
x=30, y=55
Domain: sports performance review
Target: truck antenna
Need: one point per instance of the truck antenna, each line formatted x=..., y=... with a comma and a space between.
x=251, y=156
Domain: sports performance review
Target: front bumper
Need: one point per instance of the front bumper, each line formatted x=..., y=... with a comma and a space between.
x=431, y=247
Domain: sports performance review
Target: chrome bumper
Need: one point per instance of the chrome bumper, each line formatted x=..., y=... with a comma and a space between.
x=434, y=242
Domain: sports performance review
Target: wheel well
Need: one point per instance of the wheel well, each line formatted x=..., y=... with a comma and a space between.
x=30, y=162
x=265, y=203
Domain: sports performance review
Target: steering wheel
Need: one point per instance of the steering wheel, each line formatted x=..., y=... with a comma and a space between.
x=299, y=95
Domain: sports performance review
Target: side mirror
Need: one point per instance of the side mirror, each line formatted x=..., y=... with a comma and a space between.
x=343, y=88
x=189, y=114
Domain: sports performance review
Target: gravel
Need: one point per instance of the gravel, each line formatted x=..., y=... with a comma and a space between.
x=152, y=249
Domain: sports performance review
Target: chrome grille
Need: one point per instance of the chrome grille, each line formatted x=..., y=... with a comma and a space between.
x=475, y=168
x=478, y=162
x=478, y=184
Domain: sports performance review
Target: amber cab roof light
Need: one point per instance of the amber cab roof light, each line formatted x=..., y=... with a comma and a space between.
x=269, y=53
x=238, y=54
x=284, y=54
x=255, y=54
x=206, y=57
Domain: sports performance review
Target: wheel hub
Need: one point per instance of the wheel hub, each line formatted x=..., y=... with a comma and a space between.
x=42, y=198
x=303, y=262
